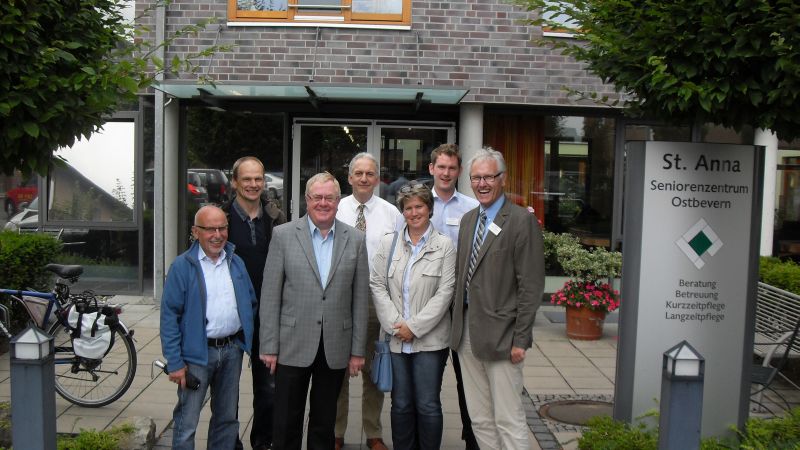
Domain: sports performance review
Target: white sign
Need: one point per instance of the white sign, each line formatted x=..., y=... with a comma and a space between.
x=694, y=270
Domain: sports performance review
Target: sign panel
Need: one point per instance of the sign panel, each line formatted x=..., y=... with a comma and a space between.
x=690, y=248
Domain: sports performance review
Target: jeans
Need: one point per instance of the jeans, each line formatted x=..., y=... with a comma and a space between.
x=416, y=407
x=222, y=376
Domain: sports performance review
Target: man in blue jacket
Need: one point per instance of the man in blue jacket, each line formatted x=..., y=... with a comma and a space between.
x=206, y=325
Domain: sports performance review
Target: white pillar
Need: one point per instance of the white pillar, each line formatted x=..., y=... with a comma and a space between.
x=470, y=140
x=769, y=140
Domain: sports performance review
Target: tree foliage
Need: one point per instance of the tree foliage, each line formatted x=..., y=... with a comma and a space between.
x=730, y=62
x=65, y=65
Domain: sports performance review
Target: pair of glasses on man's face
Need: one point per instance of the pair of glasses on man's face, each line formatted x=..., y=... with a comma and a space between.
x=213, y=230
x=412, y=187
x=319, y=198
x=475, y=179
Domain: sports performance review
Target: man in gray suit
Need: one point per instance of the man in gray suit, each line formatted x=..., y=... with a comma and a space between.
x=500, y=269
x=313, y=315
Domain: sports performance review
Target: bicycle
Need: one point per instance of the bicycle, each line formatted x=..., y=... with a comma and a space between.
x=85, y=382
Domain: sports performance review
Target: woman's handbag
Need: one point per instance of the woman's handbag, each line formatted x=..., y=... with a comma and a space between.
x=381, y=370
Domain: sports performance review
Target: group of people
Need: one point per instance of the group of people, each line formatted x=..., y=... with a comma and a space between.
x=440, y=273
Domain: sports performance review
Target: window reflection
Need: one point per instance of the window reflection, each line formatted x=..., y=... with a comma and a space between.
x=214, y=141
x=378, y=6
x=579, y=166
x=786, y=240
x=95, y=181
x=109, y=258
x=262, y=5
x=405, y=154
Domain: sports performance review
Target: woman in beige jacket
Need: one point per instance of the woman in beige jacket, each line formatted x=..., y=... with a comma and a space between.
x=412, y=283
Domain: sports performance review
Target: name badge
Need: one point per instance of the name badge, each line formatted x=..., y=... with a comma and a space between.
x=495, y=229
x=455, y=221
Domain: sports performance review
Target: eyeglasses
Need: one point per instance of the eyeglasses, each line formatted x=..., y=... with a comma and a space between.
x=318, y=198
x=213, y=230
x=475, y=179
x=412, y=187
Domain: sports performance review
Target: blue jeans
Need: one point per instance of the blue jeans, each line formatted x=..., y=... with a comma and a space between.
x=222, y=375
x=416, y=407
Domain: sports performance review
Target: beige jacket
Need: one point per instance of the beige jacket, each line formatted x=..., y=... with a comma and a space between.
x=430, y=295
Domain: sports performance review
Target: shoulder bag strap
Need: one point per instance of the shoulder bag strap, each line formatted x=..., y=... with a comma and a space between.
x=389, y=264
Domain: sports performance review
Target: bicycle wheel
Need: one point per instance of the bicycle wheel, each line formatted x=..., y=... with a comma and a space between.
x=93, y=383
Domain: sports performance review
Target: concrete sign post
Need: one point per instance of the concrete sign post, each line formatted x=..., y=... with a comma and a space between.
x=690, y=257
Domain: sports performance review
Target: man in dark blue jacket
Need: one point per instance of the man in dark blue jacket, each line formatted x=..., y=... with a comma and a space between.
x=206, y=325
x=251, y=218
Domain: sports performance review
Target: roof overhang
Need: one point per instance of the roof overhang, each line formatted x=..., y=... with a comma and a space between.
x=316, y=94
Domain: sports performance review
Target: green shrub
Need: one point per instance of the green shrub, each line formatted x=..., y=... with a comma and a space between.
x=22, y=258
x=565, y=252
x=781, y=274
x=604, y=433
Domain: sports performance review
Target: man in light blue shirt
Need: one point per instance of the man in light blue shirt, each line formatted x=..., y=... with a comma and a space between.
x=323, y=248
x=449, y=206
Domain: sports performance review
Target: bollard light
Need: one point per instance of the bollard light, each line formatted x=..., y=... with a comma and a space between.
x=681, y=406
x=32, y=344
x=683, y=363
x=33, y=393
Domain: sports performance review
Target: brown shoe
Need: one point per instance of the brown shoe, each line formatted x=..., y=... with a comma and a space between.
x=339, y=443
x=376, y=444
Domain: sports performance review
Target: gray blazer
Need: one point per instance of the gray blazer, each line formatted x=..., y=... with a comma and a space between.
x=506, y=287
x=297, y=307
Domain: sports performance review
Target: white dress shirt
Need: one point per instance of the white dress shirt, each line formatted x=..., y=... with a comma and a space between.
x=447, y=215
x=381, y=216
x=222, y=314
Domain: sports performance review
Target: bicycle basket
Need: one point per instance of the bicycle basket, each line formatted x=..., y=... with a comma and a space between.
x=37, y=308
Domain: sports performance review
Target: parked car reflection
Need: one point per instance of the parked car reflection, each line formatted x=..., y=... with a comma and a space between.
x=216, y=184
x=27, y=220
x=274, y=182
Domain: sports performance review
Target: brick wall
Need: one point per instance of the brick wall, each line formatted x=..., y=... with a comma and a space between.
x=478, y=44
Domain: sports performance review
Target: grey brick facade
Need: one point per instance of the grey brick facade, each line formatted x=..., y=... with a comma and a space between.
x=476, y=44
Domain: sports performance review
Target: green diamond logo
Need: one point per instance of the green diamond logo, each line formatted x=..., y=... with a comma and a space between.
x=699, y=242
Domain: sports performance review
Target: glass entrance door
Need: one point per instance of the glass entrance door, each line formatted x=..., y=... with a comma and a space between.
x=324, y=147
x=401, y=149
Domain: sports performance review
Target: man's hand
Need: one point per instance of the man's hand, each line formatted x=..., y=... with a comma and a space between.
x=356, y=364
x=270, y=361
x=179, y=376
x=517, y=355
x=402, y=331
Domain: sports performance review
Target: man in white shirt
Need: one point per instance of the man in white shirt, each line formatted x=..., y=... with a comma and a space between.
x=376, y=217
x=449, y=206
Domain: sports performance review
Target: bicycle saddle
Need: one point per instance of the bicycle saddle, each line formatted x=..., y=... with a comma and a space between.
x=65, y=271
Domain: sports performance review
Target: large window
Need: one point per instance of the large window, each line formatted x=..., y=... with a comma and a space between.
x=376, y=12
x=786, y=242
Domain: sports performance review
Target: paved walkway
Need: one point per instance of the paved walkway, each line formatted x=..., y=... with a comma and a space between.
x=556, y=368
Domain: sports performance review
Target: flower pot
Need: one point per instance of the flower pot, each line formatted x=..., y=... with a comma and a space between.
x=584, y=324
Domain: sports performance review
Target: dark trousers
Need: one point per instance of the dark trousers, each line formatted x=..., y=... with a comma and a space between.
x=263, y=398
x=291, y=389
x=466, y=431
